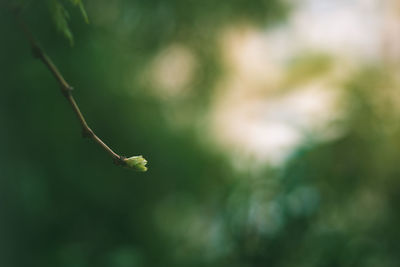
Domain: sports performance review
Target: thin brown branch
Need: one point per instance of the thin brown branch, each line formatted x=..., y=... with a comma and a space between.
x=66, y=90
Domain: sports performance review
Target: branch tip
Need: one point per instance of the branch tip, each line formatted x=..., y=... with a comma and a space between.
x=137, y=163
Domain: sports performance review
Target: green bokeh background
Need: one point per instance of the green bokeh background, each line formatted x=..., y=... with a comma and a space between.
x=63, y=202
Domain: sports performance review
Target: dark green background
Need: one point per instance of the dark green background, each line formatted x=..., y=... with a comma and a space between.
x=63, y=202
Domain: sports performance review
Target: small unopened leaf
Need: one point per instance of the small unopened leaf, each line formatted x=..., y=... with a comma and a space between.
x=138, y=163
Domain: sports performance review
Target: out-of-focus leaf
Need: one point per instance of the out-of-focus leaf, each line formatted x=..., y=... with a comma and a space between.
x=79, y=3
x=60, y=16
x=83, y=12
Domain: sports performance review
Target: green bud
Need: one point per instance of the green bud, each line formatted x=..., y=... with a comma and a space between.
x=138, y=163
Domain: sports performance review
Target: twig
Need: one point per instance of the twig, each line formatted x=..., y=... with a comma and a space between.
x=136, y=162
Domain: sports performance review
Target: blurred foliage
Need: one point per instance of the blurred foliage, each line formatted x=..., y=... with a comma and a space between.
x=58, y=10
x=306, y=67
x=61, y=16
x=63, y=202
